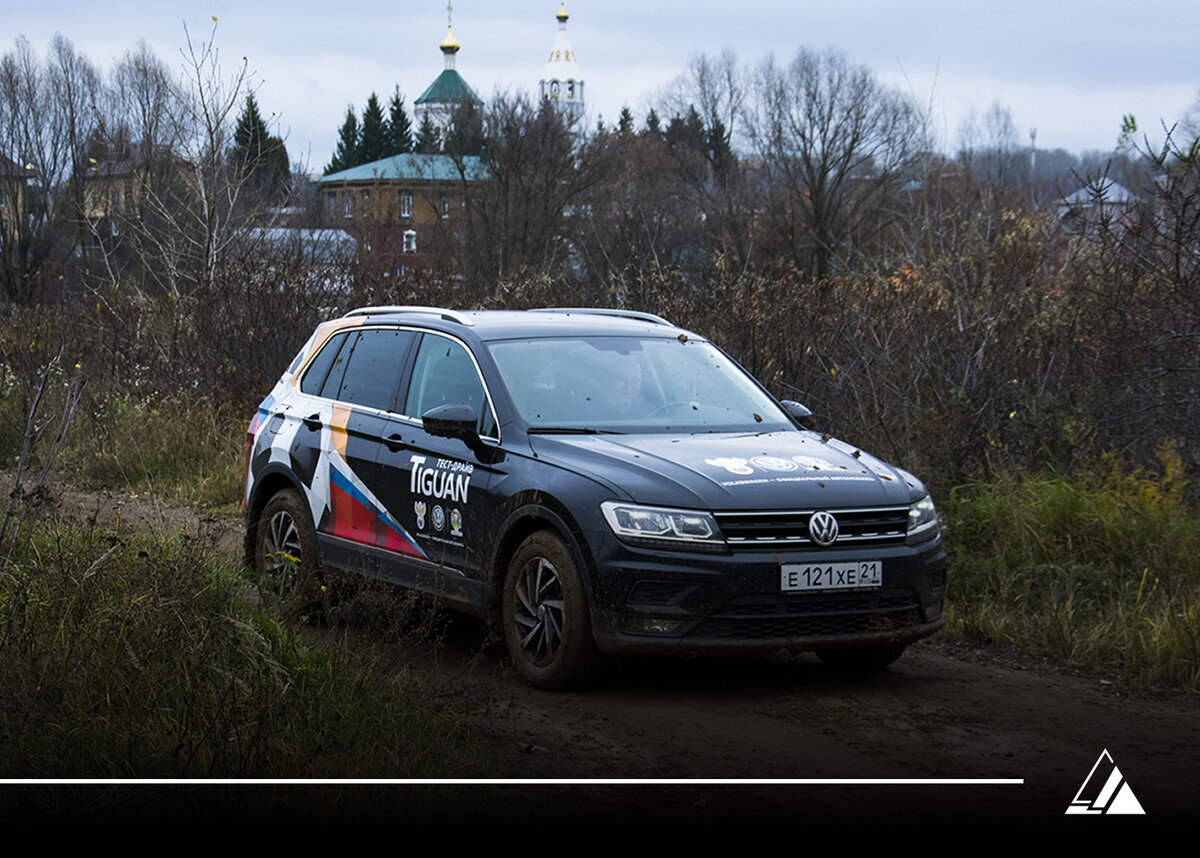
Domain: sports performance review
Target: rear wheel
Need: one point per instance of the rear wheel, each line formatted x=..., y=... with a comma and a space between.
x=867, y=658
x=286, y=561
x=547, y=626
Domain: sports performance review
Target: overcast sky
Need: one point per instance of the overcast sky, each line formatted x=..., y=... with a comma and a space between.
x=1071, y=69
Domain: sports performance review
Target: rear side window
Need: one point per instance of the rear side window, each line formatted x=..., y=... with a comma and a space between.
x=318, y=371
x=360, y=368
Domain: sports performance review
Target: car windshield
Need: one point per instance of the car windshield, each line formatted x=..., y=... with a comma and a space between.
x=631, y=385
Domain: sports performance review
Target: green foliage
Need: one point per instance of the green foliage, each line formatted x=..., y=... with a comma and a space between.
x=258, y=155
x=1127, y=139
x=346, y=154
x=133, y=657
x=372, y=138
x=399, y=126
x=625, y=121
x=429, y=139
x=1097, y=570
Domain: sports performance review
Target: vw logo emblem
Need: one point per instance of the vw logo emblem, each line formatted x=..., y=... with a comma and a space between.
x=823, y=528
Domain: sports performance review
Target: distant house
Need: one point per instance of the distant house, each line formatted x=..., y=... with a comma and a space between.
x=409, y=194
x=1096, y=207
x=14, y=198
x=117, y=190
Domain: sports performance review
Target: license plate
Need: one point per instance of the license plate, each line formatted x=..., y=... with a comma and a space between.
x=855, y=575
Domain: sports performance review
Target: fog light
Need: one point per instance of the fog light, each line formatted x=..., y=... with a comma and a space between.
x=652, y=626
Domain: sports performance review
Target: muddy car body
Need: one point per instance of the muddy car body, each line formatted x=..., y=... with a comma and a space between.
x=589, y=482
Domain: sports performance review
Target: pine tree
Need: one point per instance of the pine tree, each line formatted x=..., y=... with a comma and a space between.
x=625, y=122
x=720, y=152
x=372, y=142
x=429, y=139
x=257, y=155
x=465, y=134
x=399, y=126
x=653, y=126
x=249, y=138
x=687, y=133
x=346, y=155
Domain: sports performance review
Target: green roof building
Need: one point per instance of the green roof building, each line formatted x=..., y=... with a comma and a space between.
x=447, y=91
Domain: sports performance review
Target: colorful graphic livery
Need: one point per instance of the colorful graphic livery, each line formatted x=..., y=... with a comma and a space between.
x=588, y=482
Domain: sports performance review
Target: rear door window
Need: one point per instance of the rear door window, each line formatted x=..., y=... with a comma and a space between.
x=372, y=373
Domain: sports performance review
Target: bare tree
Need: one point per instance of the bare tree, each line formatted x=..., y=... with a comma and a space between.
x=831, y=140
x=718, y=86
x=517, y=214
x=708, y=103
x=47, y=112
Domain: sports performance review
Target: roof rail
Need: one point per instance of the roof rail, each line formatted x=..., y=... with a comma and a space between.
x=448, y=315
x=604, y=311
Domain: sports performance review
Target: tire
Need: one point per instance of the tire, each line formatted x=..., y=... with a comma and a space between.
x=286, y=562
x=547, y=626
x=868, y=658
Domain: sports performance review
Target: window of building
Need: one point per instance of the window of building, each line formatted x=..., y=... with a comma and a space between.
x=347, y=204
x=406, y=204
x=332, y=198
x=445, y=205
x=410, y=241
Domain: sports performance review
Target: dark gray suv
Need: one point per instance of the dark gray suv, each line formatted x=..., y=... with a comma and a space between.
x=589, y=482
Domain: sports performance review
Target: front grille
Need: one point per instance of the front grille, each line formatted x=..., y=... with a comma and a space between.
x=761, y=617
x=789, y=528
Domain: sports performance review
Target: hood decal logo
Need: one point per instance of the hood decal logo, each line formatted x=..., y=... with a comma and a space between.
x=732, y=464
x=774, y=463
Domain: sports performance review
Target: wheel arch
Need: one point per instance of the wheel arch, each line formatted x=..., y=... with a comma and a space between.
x=531, y=515
x=266, y=485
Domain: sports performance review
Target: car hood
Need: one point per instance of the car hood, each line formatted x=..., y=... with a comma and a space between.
x=727, y=471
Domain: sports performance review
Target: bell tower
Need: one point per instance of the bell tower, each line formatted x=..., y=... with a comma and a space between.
x=562, y=80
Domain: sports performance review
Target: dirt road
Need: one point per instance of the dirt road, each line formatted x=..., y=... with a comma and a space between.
x=942, y=712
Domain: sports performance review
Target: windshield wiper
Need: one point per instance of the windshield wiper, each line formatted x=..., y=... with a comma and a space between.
x=570, y=430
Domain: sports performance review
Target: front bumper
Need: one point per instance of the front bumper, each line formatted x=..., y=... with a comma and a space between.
x=648, y=601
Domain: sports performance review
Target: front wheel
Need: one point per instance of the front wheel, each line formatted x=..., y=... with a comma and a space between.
x=867, y=658
x=547, y=626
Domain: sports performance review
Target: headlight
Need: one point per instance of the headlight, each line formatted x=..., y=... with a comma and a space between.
x=922, y=520
x=657, y=524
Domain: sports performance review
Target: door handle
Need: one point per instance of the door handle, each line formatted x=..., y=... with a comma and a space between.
x=312, y=421
x=393, y=442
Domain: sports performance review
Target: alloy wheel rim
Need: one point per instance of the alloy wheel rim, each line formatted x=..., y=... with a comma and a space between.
x=281, y=551
x=539, y=610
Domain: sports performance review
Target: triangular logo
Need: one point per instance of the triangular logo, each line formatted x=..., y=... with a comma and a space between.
x=1105, y=790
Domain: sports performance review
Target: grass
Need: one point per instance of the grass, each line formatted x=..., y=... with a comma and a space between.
x=1098, y=570
x=135, y=657
x=185, y=454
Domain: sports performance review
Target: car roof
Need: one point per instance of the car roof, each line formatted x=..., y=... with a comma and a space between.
x=517, y=324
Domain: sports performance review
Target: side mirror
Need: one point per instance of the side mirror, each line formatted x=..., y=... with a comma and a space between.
x=453, y=421
x=799, y=413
